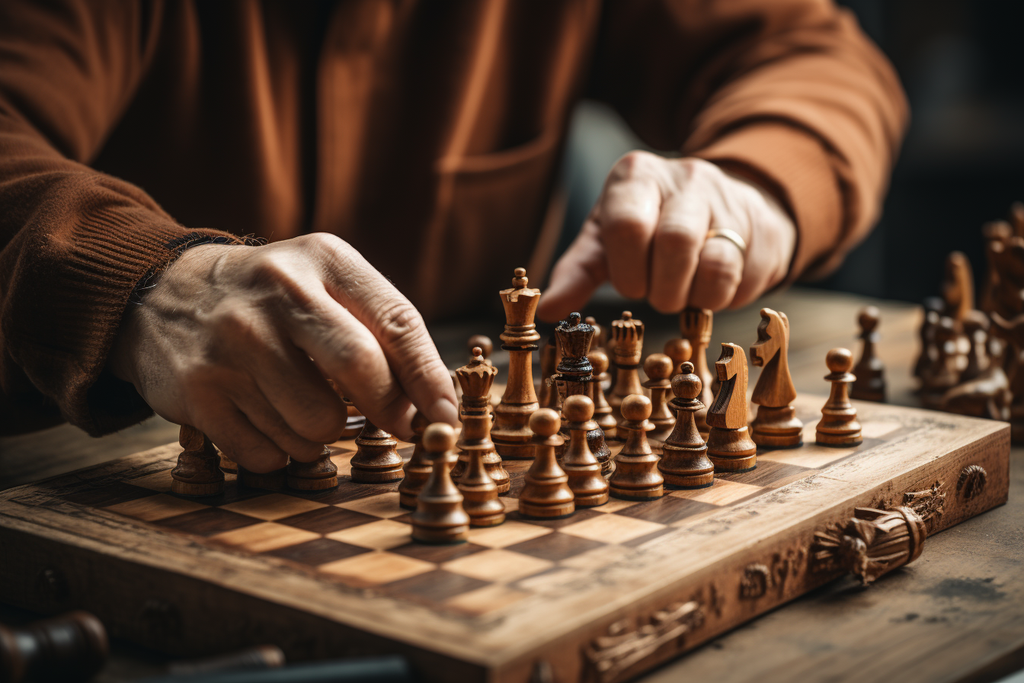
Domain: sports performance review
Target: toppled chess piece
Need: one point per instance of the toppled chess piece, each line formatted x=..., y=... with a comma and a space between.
x=546, y=493
x=636, y=475
x=684, y=462
x=729, y=444
x=439, y=518
x=776, y=424
x=418, y=469
x=317, y=475
x=198, y=471
x=838, y=425
x=376, y=459
x=870, y=384
x=581, y=467
x=873, y=543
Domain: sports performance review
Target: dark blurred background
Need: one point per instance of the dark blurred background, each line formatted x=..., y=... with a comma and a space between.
x=962, y=164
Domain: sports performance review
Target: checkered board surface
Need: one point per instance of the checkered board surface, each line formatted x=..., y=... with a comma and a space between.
x=357, y=537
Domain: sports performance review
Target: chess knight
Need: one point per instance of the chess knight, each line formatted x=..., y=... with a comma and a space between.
x=776, y=424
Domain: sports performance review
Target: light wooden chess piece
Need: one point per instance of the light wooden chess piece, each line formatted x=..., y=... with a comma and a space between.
x=546, y=493
x=729, y=444
x=627, y=349
x=511, y=432
x=575, y=376
x=584, y=471
x=440, y=518
x=480, y=494
x=684, y=462
x=547, y=395
x=776, y=424
x=317, y=475
x=418, y=469
x=636, y=475
x=198, y=470
x=484, y=343
x=602, y=410
x=600, y=343
x=476, y=379
x=680, y=351
x=870, y=384
x=838, y=425
x=695, y=324
x=658, y=368
x=376, y=459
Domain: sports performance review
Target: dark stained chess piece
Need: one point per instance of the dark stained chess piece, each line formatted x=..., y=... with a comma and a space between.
x=684, y=462
x=376, y=459
x=484, y=343
x=584, y=471
x=729, y=444
x=546, y=493
x=480, y=494
x=575, y=376
x=976, y=328
x=658, y=368
x=996, y=234
x=627, y=342
x=317, y=475
x=776, y=424
x=636, y=475
x=67, y=648
x=418, y=469
x=1012, y=332
x=511, y=432
x=198, y=470
x=932, y=313
x=695, y=325
x=602, y=411
x=838, y=425
x=945, y=373
x=958, y=287
x=439, y=518
x=476, y=379
x=680, y=351
x=870, y=371
x=355, y=422
x=547, y=396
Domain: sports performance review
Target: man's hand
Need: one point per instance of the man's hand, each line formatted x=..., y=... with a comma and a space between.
x=648, y=234
x=224, y=343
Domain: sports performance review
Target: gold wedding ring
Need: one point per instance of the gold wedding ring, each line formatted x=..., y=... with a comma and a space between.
x=732, y=236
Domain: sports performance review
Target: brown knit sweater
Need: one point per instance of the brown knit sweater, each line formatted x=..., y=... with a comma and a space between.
x=426, y=133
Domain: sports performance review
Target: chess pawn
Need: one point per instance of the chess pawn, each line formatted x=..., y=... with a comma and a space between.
x=198, y=470
x=418, y=469
x=480, y=494
x=602, y=411
x=546, y=493
x=636, y=475
x=838, y=425
x=584, y=471
x=729, y=444
x=476, y=379
x=484, y=343
x=680, y=351
x=870, y=384
x=627, y=349
x=439, y=518
x=375, y=459
x=511, y=432
x=684, y=462
x=658, y=368
x=317, y=475
x=549, y=357
x=776, y=424
x=695, y=325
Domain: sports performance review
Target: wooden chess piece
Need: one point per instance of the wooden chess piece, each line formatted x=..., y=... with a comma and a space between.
x=198, y=470
x=945, y=373
x=695, y=325
x=636, y=475
x=439, y=518
x=658, y=368
x=318, y=475
x=549, y=357
x=575, y=376
x=684, y=462
x=958, y=287
x=70, y=647
x=546, y=493
x=484, y=343
x=776, y=424
x=839, y=426
x=355, y=421
x=870, y=384
x=418, y=469
x=602, y=411
x=227, y=465
x=584, y=471
x=476, y=379
x=729, y=444
x=680, y=351
x=480, y=494
x=1012, y=332
x=376, y=459
x=511, y=432
x=976, y=328
x=600, y=343
x=932, y=313
x=627, y=342
x=996, y=234
x=275, y=480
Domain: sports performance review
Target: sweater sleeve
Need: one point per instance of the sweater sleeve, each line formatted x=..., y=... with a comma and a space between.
x=74, y=243
x=788, y=93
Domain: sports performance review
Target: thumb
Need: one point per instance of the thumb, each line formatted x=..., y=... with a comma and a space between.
x=580, y=271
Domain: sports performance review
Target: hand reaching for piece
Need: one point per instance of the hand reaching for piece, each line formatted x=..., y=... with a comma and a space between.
x=649, y=234
x=224, y=343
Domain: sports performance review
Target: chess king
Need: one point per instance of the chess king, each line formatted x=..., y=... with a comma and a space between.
x=511, y=433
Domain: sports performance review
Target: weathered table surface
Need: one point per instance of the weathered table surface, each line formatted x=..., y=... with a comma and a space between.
x=956, y=614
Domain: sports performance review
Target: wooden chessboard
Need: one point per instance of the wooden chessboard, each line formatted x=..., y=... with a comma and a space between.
x=600, y=596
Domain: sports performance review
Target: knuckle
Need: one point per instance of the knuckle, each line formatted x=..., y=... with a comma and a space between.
x=399, y=323
x=676, y=238
x=322, y=425
x=632, y=164
x=721, y=272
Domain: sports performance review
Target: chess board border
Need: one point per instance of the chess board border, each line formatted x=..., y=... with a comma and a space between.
x=173, y=593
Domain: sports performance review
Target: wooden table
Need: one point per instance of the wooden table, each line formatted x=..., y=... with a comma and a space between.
x=956, y=614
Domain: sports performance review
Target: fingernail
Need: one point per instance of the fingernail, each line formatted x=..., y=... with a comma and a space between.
x=443, y=411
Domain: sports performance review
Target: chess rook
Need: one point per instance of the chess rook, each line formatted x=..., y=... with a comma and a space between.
x=376, y=459
x=317, y=475
x=627, y=350
x=511, y=432
x=729, y=444
x=695, y=325
x=198, y=471
x=602, y=411
x=658, y=368
x=418, y=469
x=684, y=462
x=439, y=518
x=636, y=475
x=839, y=426
x=584, y=471
x=476, y=379
x=575, y=378
x=870, y=384
x=776, y=424
x=546, y=493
